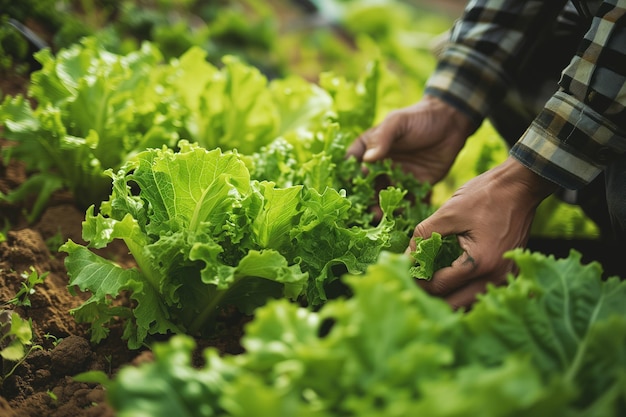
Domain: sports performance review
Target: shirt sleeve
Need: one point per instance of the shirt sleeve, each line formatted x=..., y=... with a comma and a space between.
x=486, y=47
x=582, y=127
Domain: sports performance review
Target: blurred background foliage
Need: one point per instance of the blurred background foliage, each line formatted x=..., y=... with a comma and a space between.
x=281, y=38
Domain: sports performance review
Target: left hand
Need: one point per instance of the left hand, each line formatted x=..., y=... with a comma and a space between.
x=490, y=215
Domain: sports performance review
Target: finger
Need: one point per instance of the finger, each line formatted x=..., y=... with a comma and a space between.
x=465, y=296
x=357, y=148
x=425, y=229
x=450, y=279
x=437, y=222
x=378, y=141
x=363, y=144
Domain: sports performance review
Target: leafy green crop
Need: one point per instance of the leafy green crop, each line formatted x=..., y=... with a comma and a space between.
x=549, y=343
x=434, y=253
x=190, y=203
x=262, y=204
x=94, y=110
x=204, y=235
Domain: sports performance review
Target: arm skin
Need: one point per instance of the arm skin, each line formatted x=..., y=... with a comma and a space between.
x=565, y=145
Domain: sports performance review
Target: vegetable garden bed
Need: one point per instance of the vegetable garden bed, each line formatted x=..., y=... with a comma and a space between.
x=42, y=385
x=280, y=215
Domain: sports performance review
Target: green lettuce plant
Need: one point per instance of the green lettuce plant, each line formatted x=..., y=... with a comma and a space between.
x=210, y=225
x=205, y=235
x=94, y=110
x=551, y=342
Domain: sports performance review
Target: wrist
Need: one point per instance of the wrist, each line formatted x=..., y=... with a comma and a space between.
x=529, y=184
x=461, y=123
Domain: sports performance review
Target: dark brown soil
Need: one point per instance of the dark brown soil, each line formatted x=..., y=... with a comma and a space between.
x=42, y=385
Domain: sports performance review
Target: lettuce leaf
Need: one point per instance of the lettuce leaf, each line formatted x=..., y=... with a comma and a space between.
x=190, y=204
x=208, y=227
x=433, y=254
x=230, y=108
x=561, y=313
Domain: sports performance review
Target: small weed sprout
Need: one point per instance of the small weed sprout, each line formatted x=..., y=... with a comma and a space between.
x=16, y=342
x=16, y=333
x=55, y=340
x=22, y=298
x=109, y=359
x=53, y=396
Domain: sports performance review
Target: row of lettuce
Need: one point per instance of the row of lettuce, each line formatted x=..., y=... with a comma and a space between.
x=231, y=189
x=95, y=109
x=226, y=187
x=212, y=175
x=282, y=213
x=551, y=342
x=279, y=36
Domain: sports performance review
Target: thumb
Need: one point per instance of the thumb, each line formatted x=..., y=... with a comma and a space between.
x=374, y=153
x=434, y=223
x=377, y=141
x=366, y=147
x=447, y=280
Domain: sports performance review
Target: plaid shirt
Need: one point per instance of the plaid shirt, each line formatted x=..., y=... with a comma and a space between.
x=582, y=127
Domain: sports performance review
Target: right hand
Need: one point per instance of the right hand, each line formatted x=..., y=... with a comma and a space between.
x=424, y=139
x=490, y=214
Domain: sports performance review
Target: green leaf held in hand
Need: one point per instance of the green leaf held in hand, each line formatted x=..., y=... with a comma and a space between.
x=433, y=254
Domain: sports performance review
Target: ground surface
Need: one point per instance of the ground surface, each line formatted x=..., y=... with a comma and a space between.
x=65, y=347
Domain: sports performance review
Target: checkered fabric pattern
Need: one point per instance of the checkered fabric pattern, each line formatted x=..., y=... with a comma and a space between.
x=582, y=127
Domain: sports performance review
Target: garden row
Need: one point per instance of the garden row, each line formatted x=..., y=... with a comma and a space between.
x=232, y=189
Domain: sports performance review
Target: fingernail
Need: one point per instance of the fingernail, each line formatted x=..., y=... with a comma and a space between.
x=369, y=154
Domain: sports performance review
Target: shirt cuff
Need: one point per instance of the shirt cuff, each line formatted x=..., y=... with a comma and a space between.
x=569, y=143
x=467, y=80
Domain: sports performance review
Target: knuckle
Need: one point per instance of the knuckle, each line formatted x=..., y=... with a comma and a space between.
x=420, y=231
x=394, y=118
x=439, y=287
x=368, y=137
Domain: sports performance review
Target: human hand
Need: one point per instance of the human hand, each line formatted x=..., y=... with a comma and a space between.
x=490, y=215
x=424, y=139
